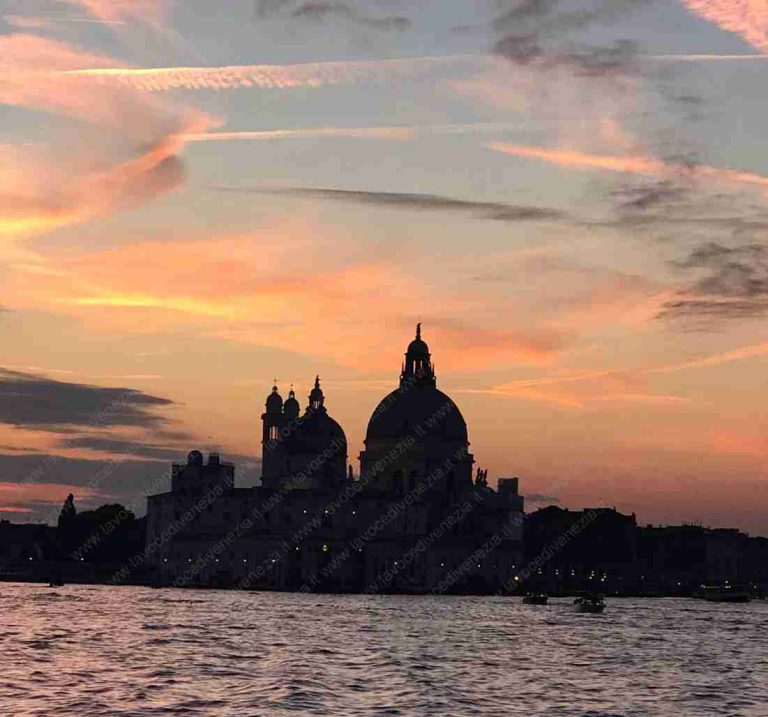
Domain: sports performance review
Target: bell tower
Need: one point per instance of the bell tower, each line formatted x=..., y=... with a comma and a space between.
x=272, y=421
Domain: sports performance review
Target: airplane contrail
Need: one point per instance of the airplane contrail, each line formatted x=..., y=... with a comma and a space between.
x=311, y=74
x=403, y=132
x=322, y=74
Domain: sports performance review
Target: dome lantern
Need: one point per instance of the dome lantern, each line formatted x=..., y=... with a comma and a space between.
x=418, y=368
x=316, y=397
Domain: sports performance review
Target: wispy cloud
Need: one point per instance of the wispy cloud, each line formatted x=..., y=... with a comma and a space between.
x=310, y=74
x=543, y=32
x=36, y=22
x=394, y=133
x=734, y=285
x=717, y=359
x=139, y=162
x=707, y=58
x=600, y=388
x=326, y=74
x=650, y=166
x=404, y=132
x=496, y=211
x=32, y=400
x=331, y=10
x=593, y=396
x=115, y=445
x=149, y=11
x=224, y=289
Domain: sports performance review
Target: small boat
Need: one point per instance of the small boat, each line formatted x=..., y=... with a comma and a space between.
x=590, y=603
x=724, y=593
x=535, y=599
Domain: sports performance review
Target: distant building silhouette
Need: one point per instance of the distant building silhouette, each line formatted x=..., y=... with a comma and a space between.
x=678, y=559
x=592, y=549
x=602, y=549
x=24, y=543
x=86, y=547
x=413, y=521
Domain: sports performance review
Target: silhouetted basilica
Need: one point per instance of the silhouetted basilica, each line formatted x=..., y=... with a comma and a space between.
x=414, y=520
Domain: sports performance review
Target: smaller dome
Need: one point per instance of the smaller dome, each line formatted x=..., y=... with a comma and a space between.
x=274, y=401
x=195, y=458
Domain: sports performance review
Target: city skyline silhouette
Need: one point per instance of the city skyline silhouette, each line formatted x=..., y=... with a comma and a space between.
x=375, y=357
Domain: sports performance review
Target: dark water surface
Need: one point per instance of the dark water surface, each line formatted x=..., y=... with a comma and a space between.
x=92, y=650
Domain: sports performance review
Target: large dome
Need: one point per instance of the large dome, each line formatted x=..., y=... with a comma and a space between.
x=415, y=430
x=408, y=409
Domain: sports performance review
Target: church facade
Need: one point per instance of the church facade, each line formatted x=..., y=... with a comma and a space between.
x=417, y=518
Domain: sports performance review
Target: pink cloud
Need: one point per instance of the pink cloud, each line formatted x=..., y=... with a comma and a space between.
x=122, y=149
x=629, y=164
x=13, y=495
x=149, y=11
x=746, y=18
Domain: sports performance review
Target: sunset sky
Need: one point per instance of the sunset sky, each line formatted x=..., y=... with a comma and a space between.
x=571, y=195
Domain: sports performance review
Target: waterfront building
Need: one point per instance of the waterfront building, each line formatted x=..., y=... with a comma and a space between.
x=680, y=558
x=415, y=519
x=570, y=550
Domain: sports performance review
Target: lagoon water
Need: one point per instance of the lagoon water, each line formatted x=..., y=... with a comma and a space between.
x=95, y=650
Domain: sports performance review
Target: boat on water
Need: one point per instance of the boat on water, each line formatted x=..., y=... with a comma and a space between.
x=591, y=603
x=535, y=599
x=724, y=593
x=55, y=581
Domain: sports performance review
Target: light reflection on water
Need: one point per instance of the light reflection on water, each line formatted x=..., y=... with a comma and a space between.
x=93, y=650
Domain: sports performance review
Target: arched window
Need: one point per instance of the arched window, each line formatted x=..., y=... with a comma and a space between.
x=273, y=433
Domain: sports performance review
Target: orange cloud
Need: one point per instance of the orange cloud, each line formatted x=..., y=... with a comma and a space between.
x=629, y=164
x=746, y=18
x=739, y=354
x=396, y=133
x=33, y=55
x=403, y=132
x=223, y=287
x=471, y=345
x=124, y=150
x=709, y=58
x=150, y=11
x=13, y=494
x=588, y=390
